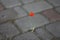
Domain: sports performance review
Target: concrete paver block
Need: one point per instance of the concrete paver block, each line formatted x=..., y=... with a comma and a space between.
x=37, y=6
x=51, y=14
x=54, y=28
x=43, y=34
x=28, y=22
x=55, y=2
x=27, y=1
x=8, y=29
x=2, y=36
x=20, y=12
x=58, y=9
x=26, y=36
x=10, y=3
x=7, y=15
x=1, y=7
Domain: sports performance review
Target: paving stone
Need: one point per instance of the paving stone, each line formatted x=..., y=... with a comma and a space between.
x=56, y=39
x=43, y=34
x=37, y=6
x=58, y=9
x=54, y=28
x=27, y=1
x=29, y=22
x=39, y=0
x=2, y=36
x=1, y=7
x=20, y=12
x=8, y=29
x=10, y=3
x=55, y=2
x=26, y=36
x=51, y=14
x=7, y=15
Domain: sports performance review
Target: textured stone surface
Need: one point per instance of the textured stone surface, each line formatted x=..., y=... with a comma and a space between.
x=51, y=14
x=54, y=28
x=36, y=0
x=1, y=7
x=8, y=29
x=20, y=12
x=7, y=15
x=27, y=1
x=55, y=2
x=39, y=0
x=26, y=36
x=2, y=36
x=10, y=3
x=37, y=7
x=28, y=22
x=43, y=34
x=29, y=26
x=58, y=9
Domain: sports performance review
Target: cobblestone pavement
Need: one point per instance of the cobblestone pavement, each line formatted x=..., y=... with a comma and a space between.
x=16, y=24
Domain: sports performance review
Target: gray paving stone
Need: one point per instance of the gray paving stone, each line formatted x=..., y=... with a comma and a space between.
x=7, y=15
x=37, y=0
x=1, y=7
x=37, y=6
x=55, y=2
x=54, y=28
x=2, y=36
x=8, y=29
x=27, y=1
x=29, y=22
x=10, y=3
x=58, y=9
x=43, y=34
x=56, y=39
x=20, y=12
x=26, y=36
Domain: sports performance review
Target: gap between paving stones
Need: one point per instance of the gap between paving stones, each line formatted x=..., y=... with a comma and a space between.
x=49, y=31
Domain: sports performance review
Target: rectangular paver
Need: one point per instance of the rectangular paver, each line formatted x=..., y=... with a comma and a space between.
x=20, y=12
x=27, y=1
x=10, y=3
x=37, y=6
x=52, y=15
x=26, y=36
x=55, y=2
x=57, y=9
x=1, y=7
x=28, y=22
x=8, y=29
x=54, y=28
x=43, y=34
x=7, y=15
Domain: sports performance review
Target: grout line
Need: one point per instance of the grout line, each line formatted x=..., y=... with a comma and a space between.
x=19, y=29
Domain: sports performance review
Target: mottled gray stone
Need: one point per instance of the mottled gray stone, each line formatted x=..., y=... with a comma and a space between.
x=37, y=6
x=7, y=15
x=26, y=36
x=58, y=9
x=8, y=29
x=29, y=22
x=2, y=36
x=10, y=3
x=20, y=12
x=55, y=2
x=54, y=28
x=27, y=1
x=43, y=34
x=1, y=7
